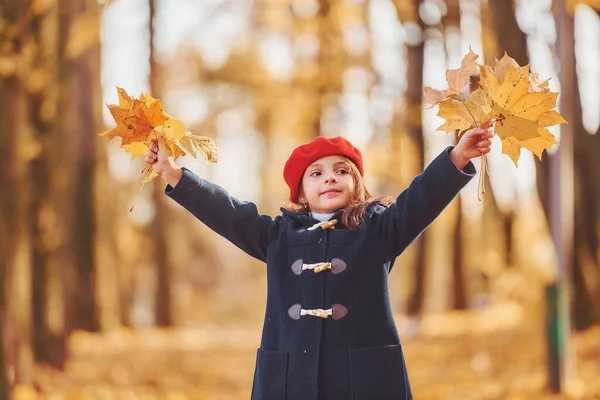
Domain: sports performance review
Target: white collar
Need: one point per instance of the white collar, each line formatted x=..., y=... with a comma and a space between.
x=321, y=217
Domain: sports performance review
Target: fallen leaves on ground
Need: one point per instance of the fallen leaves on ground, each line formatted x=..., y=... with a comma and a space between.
x=504, y=361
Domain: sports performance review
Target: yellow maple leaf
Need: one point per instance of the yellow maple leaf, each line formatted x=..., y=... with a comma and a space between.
x=500, y=67
x=519, y=113
x=137, y=149
x=199, y=146
x=512, y=146
x=456, y=78
x=550, y=118
x=174, y=129
x=537, y=84
x=464, y=115
x=176, y=150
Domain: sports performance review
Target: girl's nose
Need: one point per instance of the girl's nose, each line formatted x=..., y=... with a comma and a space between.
x=330, y=179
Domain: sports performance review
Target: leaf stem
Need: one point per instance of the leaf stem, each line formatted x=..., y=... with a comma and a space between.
x=140, y=191
x=484, y=170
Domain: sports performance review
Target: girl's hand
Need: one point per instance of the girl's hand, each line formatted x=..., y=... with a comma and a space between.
x=161, y=159
x=473, y=143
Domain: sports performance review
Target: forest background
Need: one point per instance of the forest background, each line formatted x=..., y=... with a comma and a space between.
x=100, y=302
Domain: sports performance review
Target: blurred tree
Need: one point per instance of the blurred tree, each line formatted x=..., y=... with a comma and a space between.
x=49, y=207
x=586, y=262
x=79, y=66
x=511, y=39
x=408, y=14
x=14, y=267
x=64, y=73
x=162, y=303
x=459, y=294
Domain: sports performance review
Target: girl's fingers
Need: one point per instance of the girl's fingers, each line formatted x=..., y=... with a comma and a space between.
x=483, y=143
x=475, y=132
x=151, y=157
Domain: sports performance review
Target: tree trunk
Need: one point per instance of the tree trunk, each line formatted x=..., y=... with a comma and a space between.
x=414, y=91
x=81, y=86
x=515, y=44
x=162, y=305
x=459, y=295
x=509, y=36
x=500, y=15
x=13, y=338
x=48, y=224
x=460, y=299
x=586, y=265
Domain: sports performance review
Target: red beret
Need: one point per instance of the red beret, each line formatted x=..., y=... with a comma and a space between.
x=304, y=155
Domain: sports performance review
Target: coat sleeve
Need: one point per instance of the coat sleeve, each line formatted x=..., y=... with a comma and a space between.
x=237, y=221
x=420, y=204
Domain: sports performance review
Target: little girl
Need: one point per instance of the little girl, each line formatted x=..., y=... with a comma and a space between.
x=329, y=331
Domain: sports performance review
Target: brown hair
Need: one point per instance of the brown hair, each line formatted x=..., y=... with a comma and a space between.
x=361, y=201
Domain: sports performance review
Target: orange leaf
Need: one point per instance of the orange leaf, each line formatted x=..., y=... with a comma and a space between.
x=125, y=101
x=143, y=121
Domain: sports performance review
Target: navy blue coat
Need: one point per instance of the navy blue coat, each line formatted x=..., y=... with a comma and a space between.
x=355, y=353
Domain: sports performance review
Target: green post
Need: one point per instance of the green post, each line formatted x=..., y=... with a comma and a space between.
x=557, y=331
x=561, y=212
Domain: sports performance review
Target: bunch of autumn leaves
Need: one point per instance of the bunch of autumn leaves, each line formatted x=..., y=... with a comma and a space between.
x=141, y=120
x=516, y=103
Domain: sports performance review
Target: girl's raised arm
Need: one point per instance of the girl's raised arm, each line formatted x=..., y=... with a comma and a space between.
x=420, y=204
x=237, y=221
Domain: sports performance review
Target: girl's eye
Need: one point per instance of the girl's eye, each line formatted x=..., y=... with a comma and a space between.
x=342, y=171
x=315, y=173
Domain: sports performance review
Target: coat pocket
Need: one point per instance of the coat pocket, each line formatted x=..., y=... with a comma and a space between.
x=378, y=373
x=270, y=375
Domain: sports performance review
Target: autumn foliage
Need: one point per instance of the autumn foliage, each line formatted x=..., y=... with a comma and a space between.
x=141, y=120
x=515, y=102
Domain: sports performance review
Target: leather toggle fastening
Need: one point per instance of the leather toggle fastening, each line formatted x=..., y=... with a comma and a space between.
x=324, y=225
x=336, y=266
x=318, y=267
x=337, y=311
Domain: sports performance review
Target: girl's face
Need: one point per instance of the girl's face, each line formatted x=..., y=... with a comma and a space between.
x=327, y=185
